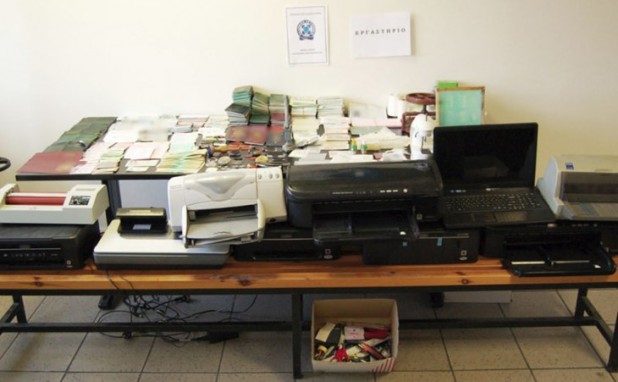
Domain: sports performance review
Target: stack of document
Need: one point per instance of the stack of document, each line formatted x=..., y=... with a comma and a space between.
x=259, y=109
x=215, y=127
x=330, y=106
x=336, y=133
x=238, y=114
x=184, y=142
x=242, y=95
x=109, y=162
x=279, y=111
x=182, y=162
x=361, y=126
x=189, y=122
x=304, y=107
x=304, y=128
x=143, y=128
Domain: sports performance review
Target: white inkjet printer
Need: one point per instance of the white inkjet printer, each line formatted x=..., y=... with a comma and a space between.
x=82, y=204
x=582, y=187
x=230, y=206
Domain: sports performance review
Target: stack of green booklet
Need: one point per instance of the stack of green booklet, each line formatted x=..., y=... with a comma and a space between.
x=82, y=135
x=243, y=95
x=259, y=109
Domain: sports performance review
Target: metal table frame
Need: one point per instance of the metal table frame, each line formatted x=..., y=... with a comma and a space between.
x=585, y=315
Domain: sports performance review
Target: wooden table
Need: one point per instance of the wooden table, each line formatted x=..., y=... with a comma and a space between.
x=347, y=274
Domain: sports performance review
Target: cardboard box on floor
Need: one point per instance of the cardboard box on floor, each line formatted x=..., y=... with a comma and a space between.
x=371, y=311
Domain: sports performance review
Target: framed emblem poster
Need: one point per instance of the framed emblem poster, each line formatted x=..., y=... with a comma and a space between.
x=307, y=34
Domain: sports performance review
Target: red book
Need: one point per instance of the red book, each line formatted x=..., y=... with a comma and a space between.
x=51, y=162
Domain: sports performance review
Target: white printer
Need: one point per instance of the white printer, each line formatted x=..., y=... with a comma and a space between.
x=582, y=187
x=230, y=206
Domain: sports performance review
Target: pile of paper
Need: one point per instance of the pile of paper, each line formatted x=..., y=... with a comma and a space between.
x=304, y=127
x=336, y=132
x=182, y=162
x=215, y=127
x=109, y=162
x=140, y=128
x=330, y=106
x=304, y=107
x=184, y=142
x=189, y=122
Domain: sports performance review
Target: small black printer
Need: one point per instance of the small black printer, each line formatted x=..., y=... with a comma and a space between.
x=46, y=246
x=324, y=189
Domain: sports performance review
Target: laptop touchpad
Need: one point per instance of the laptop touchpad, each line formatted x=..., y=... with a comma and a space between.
x=486, y=217
x=512, y=217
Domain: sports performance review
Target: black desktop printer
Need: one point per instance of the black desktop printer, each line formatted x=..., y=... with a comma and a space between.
x=315, y=190
x=387, y=211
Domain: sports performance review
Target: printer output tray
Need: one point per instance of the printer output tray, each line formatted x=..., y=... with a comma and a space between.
x=560, y=260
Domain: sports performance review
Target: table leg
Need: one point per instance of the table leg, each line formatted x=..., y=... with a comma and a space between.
x=16, y=310
x=106, y=302
x=612, y=362
x=113, y=194
x=579, y=305
x=297, y=333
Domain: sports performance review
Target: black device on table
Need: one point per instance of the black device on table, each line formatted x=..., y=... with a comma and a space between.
x=488, y=173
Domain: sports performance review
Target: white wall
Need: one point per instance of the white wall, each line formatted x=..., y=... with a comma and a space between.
x=540, y=60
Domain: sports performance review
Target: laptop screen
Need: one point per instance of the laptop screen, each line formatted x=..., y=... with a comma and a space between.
x=486, y=156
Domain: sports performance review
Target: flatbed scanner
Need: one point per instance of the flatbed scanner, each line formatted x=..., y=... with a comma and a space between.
x=142, y=250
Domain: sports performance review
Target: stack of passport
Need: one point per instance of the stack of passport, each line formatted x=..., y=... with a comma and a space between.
x=278, y=107
x=238, y=114
x=243, y=95
x=259, y=109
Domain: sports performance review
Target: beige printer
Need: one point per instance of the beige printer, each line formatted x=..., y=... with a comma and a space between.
x=582, y=187
x=229, y=206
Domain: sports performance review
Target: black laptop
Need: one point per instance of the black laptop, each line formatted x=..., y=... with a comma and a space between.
x=488, y=172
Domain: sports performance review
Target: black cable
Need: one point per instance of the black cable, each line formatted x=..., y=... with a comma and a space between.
x=161, y=309
x=5, y=163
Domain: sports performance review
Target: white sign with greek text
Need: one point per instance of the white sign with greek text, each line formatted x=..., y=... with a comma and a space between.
x=383, y=35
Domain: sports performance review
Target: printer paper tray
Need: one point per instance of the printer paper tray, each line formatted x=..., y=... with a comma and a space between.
x=559, y=261
x=363, y=226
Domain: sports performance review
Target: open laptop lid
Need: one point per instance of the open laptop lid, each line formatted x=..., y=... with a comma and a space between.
x=486, y=156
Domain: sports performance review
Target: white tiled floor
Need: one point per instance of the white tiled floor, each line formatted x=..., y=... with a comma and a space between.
x=495, y=354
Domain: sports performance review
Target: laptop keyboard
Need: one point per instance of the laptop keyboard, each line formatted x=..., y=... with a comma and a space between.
x=491, y=202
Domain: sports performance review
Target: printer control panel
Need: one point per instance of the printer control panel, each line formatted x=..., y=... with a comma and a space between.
x=30, y=255
x=79, y=200
x=269, y=174
x=380, y=192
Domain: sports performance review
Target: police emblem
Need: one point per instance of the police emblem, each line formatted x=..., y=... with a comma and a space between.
x=305, y=30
